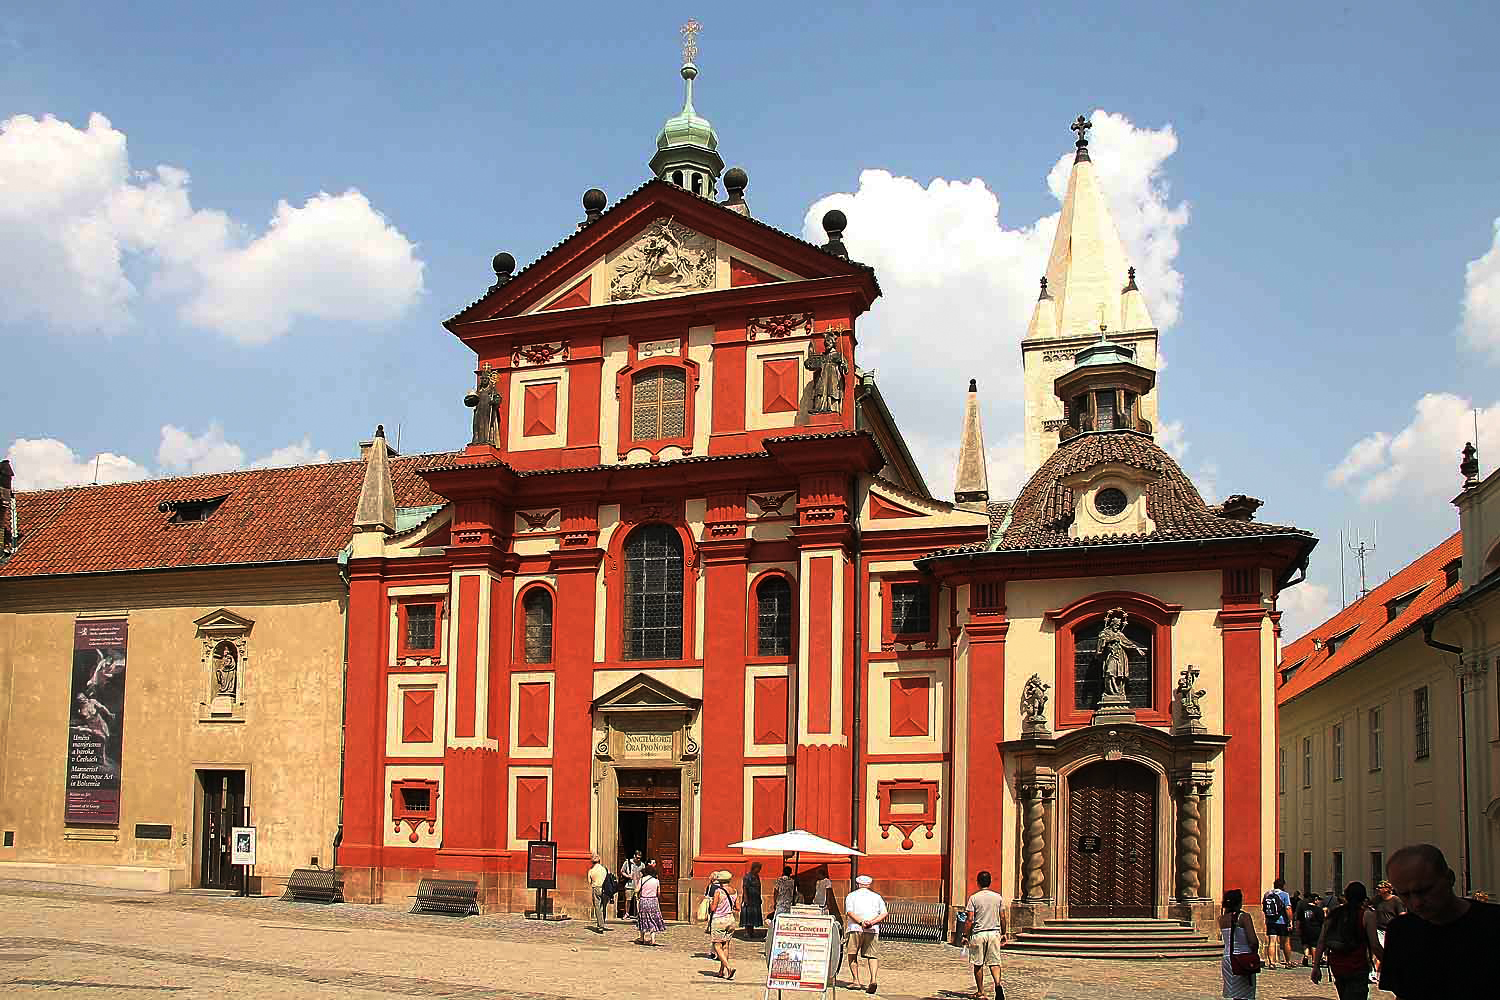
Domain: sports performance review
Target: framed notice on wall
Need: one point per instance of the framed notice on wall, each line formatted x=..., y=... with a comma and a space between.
x=242, y=845
x=96, y=722
x=541, y=864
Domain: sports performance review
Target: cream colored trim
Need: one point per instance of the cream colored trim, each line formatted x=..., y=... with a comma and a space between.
x=878, y=712
x=753, y=671
x=402, y=837
x=893, y=566
x=792, y=349
x=721, y=270
x=700, y=349
x=414, y=591
x=874, y=842
x=516, y=843
x=482, y=737
x=836, y=625
x=594, y=269
x=395, y=685
x=616, y=356
x=518, y=752
x=694, y=513
x=521, y=378
x=753, y=771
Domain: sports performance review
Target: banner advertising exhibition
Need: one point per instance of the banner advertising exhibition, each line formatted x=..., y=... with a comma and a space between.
x=96, y=722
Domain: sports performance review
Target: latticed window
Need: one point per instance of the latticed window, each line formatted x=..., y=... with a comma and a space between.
x=1088, y=665
x=653, y=594
x=421, y=626
x=773, y=599
x=659, y=400
x=537, y=609
x=911, y=608
x=1338, y=752
x=1377, y=740
x=1422, y=717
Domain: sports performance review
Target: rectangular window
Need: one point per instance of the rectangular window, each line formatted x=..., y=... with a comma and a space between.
x=1422, y=722
x=1338, y=752
x=421, y=626
x=1338, y=871
x=659, y=399
x=1281, y=865
x=1281, y=771
x=1307, y=762
x=1377, y=744
x=416, y=799
x=1307, y=873
x=911, y=609
x=1377, y=867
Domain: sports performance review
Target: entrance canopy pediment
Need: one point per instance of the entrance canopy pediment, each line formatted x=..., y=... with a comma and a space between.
x=644, y=694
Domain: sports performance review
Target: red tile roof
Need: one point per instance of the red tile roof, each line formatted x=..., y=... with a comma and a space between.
x=1366, y=626
x=269, y=515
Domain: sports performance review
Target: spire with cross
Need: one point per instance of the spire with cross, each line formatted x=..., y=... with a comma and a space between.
x=1081, y=126
x=690, y=40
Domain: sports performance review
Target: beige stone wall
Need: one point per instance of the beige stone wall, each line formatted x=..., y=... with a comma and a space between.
x=285, y=737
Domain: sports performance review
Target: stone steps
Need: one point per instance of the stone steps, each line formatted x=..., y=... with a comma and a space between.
x=1119, y=938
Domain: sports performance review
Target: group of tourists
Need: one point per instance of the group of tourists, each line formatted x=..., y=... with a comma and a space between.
x=637, y=892
x=1417, y=939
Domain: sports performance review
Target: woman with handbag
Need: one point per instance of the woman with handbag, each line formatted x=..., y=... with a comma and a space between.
x=722, y=921
x=1349, y=939
x=648, y=917
x=1241, y=948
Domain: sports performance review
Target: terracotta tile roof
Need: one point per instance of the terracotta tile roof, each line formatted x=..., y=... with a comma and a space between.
x=268, y=515
x=450, y=464
x=1366, y=626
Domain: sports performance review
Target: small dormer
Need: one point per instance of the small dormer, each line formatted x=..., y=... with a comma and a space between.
x=191, y=511
x=1102, y=391
x=1110, y=499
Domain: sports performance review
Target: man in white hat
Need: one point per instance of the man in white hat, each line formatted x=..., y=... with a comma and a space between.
x=864, y=912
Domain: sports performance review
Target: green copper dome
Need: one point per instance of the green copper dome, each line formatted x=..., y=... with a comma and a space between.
x=687, y=148
x=1104, y=352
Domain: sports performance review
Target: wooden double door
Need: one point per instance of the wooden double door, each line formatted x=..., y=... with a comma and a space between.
x=650, y=804
x=1111, y=851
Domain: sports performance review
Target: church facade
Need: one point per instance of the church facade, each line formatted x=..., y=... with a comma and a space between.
x=688, y=588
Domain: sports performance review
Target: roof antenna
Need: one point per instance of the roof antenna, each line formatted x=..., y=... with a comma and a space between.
x=96, y=468
x=1362, y=552
x=1343, y=573
x=398, y=437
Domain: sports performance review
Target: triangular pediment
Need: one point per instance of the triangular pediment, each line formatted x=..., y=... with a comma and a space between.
x=644, y=693
x=224, y=621
x=657, y=241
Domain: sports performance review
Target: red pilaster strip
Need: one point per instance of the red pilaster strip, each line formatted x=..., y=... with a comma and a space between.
x=820, y=645
x=364, y=719
x=1240, y=624
x=468, y=656
x=986, y=709
x=572, y=726
x=724, y=675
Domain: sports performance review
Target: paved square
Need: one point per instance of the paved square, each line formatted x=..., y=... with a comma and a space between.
x=65, y=942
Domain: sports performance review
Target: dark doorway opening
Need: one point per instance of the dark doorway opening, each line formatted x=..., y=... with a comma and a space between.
x=222, y=798
x=650, y=809
x=1112, y=841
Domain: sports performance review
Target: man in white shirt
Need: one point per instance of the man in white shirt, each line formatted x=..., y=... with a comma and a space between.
x=986, y=934
x=864, y=912
x=597, y=874
x=630, y=874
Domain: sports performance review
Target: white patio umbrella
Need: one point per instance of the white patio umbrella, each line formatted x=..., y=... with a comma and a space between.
x=796, y=842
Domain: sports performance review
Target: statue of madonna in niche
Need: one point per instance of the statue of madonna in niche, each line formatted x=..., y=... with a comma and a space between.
x=226, y=663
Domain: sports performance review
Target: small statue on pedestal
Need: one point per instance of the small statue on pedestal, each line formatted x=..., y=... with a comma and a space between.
x=486, y=402
x=830, y=370
x=1188, y=696
x=1034, y=706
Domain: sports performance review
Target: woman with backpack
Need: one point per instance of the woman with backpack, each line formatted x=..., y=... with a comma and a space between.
x=722, y=907
x=1241, y=948
x=1349, y=940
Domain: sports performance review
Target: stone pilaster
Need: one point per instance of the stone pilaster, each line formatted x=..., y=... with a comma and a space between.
x=1038, y=795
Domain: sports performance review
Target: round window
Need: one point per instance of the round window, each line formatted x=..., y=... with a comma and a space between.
x=1110, y=501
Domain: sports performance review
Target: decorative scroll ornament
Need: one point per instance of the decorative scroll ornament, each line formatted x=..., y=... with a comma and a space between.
x=666, y=259
x=776, y=327
x=1034, y=705
x=1113, y=744
x=689, y=746
x=539, y=354
x=602, y=750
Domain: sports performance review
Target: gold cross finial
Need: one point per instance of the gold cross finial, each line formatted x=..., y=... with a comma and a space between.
x=1082, y=126
x=690, y=40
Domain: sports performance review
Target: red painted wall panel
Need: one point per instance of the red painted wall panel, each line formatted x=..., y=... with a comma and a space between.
x=1242, y=757
x=986, y=700
x=531, y=806
x=910, y=705
x=533, y=713
x=779, y=389
x=539, y=409
x=770, y=711
x=468, y=656
x=768, y=805
x=416, y=716
x=820, y=646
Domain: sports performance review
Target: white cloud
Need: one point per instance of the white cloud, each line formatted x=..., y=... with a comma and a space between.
x=48, y=464
x=1303, y=608
x=297, y=453
x=960, y=283
x=183, y=453
x=1172, y=437
x=73, y=211
x=1422, y=458
x=1481, y=319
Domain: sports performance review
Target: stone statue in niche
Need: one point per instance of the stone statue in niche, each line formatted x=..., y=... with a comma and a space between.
x=1034, y=705
x=226, y=664
x=667, y=258
x=1116, y=648
x=485, y=399
x=1188, y=696
x=829, y=373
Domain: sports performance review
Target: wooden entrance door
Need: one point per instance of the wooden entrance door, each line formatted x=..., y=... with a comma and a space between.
x=657, y=792
x=223, y=802
x=1112, y=841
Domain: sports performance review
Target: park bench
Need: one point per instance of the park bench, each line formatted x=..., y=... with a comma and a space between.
x=453, y=897
x=314, y=885
x=911, y=920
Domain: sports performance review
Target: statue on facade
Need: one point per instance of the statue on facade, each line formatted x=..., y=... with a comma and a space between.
x=486, y=402
x=1034, y=705
x=830, y=371
x=1188, y=696
x=226, y=670
x=1116, y=649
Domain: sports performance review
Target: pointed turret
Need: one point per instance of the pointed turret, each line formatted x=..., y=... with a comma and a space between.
x=1082, y=298
x=377, y=498
x=971, y=487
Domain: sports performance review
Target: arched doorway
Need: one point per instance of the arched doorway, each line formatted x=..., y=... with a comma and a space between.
x=1112, y=840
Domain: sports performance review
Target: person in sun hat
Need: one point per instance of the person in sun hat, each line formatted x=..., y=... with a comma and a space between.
x=864, y=912
x=723, y=905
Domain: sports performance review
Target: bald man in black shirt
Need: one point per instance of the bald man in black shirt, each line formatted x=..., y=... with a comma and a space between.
x=1442, y=947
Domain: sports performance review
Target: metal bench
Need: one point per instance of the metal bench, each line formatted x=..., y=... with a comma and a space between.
x=314, y=885
x=911, y=920
x=453, y=897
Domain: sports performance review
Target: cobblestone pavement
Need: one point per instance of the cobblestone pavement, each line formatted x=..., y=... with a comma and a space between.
x=65, y=942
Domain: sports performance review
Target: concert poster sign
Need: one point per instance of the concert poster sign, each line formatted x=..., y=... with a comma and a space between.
x=541, y=864
x=804, y=952
x=96, y=718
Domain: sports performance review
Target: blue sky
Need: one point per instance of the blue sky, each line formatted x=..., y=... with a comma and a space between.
x=1331, y=176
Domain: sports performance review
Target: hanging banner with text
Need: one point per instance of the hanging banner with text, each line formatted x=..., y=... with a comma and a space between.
x=96, y=721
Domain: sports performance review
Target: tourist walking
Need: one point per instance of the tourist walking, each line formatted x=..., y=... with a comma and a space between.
x=597, y=874
x=1349, y=941
x=630, y=874
x=986, y=933
x=648, y=918
x=864, y=912
x=1277, y=906
x=1388, y=907
x=1443, y=946
x=750, y=902
x=1310, y=925
x=722, y=907
x=1238, y=933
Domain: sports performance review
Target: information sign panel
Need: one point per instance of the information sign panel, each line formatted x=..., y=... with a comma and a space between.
x=804, y=953
x=242, y=845
x=541, y=864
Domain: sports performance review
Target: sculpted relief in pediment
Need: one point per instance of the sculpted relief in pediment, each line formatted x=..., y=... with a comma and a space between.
x=667, y=258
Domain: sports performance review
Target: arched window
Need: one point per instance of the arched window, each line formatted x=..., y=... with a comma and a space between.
x=773, y=600
x=536, y=607
x=659, y=399
x=653, y=594
x=1088, y=663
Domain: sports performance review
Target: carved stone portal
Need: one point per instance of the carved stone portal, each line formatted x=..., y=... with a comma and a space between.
x=668, y=258
x=1037, y=795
